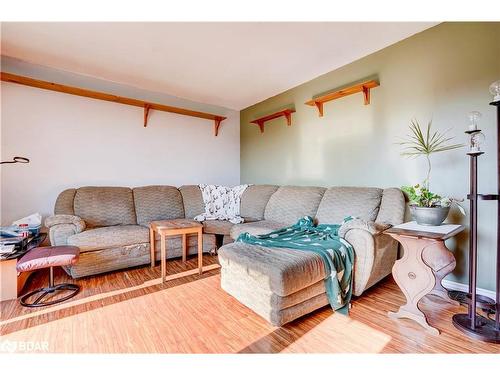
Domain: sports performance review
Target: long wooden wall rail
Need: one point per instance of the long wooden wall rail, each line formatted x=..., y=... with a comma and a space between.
x=147, y=106
x=363, y=87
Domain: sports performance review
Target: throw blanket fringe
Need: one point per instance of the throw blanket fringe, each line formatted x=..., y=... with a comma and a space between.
x=221, y=203
x=337, y=254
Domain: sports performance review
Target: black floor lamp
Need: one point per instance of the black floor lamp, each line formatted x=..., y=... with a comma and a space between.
x=478, y=326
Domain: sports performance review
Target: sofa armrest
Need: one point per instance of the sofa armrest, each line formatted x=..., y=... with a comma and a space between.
x=369, y=226
x=63, y=226
x=374, y=256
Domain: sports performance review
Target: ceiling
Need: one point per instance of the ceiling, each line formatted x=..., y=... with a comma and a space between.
x=233, y=65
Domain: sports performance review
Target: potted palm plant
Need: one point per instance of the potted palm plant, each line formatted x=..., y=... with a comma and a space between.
x=426, y=207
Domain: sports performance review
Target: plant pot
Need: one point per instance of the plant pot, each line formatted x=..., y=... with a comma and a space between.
x=429, y=215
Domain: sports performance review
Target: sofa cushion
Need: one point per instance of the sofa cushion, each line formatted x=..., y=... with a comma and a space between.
x=64, y=203
x=339, y=202
x=250, y=291
x=104, y=206
x=279, y=270
x=116, y=258
x=193, y=201
x=392, y=207
x=217, y=226
x=109, y=237
x=157, y=203
x=255, y=228
x=290, y=203
x=254, y=200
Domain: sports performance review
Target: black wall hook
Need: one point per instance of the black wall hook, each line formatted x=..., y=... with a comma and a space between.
x=16, y=159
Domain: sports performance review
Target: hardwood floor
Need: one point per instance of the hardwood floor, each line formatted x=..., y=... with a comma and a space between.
x=132, y=312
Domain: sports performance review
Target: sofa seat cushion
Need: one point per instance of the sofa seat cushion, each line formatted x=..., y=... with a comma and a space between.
x=109, y=237
x=116, y=258
x=248, y=289
x=255, y=228
x=279, y=270
x=217, y=227
x=276, y=309
x=339, y=202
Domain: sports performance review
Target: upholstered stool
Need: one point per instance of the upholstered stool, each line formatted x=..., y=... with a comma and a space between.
x=49, y=257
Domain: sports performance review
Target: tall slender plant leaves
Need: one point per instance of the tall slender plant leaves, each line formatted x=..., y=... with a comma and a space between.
x=426, y=143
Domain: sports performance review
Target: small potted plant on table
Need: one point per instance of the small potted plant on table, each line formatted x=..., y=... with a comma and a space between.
x=426, y=207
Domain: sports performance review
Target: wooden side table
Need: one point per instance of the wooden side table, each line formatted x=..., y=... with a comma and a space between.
x=176, y=227
x=11, y=281
x=426, y=261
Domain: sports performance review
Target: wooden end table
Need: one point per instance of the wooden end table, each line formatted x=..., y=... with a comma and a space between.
x=426, y=261
x=176, y=227
x=11, y=281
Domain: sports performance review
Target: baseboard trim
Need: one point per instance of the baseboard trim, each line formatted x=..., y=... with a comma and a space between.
x=453, y=285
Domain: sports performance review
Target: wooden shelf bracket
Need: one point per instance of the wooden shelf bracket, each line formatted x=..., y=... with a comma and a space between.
x=366, y=95
x=146, y=113
x=319, y=106
x=287, y=113
x=147, y=106
x=217, y=122
x=363, y=87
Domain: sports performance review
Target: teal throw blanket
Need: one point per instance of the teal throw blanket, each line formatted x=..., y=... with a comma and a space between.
x=336, y=253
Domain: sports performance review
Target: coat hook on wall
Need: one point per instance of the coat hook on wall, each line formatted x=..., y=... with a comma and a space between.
x=16, y=159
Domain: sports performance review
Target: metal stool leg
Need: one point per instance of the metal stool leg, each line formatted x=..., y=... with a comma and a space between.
x=43, y=292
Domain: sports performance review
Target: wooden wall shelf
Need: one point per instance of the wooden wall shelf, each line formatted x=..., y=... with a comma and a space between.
x=361, y=87
x=147, y=106
x=287, y=113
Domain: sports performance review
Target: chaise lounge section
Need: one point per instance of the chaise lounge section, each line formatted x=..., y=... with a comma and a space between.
x=284, y=284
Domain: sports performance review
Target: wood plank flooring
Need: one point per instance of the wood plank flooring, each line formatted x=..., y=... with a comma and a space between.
x=132, y=312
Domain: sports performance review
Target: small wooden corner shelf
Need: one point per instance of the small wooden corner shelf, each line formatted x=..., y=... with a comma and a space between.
x=12, y=78
x=287, y=113
x=363, y=87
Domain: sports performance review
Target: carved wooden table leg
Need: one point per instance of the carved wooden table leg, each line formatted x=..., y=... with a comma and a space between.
x=437, y=256
x=152, y=246
x=415, y=279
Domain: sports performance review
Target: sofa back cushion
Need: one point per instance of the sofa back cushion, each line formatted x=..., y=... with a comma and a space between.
x=193, y=200
x=157, y=203
x=339, y=202
x=392, y=207
x=290, y=203
x=64, y=203
x=105, y=206
x=254, y=200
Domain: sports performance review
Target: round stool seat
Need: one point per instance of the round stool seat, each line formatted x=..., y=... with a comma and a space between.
x=48, y=256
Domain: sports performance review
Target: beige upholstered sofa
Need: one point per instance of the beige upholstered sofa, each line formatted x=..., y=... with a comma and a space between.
x=110, y=226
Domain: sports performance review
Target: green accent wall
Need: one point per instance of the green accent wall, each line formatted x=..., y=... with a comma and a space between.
x=441, y=74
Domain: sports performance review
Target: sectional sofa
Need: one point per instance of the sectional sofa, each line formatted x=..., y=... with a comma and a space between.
x=110, y=226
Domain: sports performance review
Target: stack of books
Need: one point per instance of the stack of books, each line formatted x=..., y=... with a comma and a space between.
x=10, y=241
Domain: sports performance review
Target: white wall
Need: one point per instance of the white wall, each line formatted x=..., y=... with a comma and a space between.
x=74, y=141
